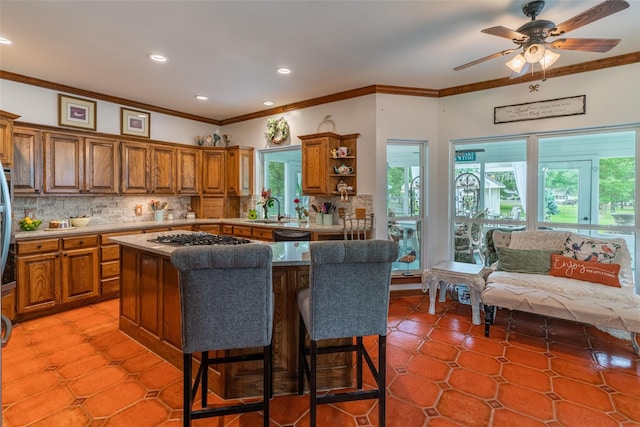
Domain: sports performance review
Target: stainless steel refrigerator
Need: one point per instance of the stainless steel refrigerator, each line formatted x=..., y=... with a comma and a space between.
x=6, y=244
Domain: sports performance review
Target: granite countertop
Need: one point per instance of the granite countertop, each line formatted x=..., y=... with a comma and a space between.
x=284, y=253
x=43, y=233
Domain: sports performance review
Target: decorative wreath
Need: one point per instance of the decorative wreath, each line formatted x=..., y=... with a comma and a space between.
x=277, y=130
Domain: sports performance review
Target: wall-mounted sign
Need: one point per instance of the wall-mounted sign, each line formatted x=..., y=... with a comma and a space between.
x=465, y=156
x=560, y=107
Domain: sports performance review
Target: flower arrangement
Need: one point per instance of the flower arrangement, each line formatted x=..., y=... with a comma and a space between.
x=300, y=210
x=277, y=130
x=157, y=205
x=265, y=201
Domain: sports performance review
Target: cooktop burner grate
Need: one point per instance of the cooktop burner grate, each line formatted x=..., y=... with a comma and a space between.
x=198, y=239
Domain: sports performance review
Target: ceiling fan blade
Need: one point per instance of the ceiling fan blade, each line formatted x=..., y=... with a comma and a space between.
x=599, y=11
x=486, y=58
x=507, y=33
x=586, y=45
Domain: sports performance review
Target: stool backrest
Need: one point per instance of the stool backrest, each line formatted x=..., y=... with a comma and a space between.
x=349, y=287
x=358, y=228
x=226, y=296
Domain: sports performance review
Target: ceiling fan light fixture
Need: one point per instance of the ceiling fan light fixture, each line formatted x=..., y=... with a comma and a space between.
x=534, y=53
x=549, y=58
x=516, y=63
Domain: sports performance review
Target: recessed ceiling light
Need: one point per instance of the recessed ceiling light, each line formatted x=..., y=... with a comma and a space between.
x=158, y=58
x=202, y=97
x=268, y=103
x=4, y=41
x=284, y=71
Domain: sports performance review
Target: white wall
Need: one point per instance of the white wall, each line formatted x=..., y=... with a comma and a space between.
x=40, y=106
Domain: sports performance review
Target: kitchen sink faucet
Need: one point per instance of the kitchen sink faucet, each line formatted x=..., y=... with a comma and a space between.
x=278, y=202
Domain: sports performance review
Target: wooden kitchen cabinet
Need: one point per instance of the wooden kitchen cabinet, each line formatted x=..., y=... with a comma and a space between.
x=134, y=168
x=80, y=268
x=102, y=165
x=27, y=161
x=319, y=175
x=163, y=169
x=239, y=171
x=213, y=171
x=6, y=138
x=189, y=165
x=37, y=275
x=63, y=163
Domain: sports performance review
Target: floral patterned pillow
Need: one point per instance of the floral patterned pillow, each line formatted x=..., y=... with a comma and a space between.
x=589, y=249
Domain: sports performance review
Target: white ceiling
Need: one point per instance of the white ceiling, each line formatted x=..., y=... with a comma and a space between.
x=230, y=50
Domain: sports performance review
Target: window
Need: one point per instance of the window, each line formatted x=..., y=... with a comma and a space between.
x=282, y=173
x=405, y=201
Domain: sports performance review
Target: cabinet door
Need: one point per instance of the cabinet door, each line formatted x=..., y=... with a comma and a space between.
x=314, y=166
x=189, y=167
x=27, y=161
x=239, y=172
x=6, y=141
x=38, y=281
x=163, y=169
x=135, y=176
x=213, y=171
x=63, y=163
x=101, y=165
x=80, y=269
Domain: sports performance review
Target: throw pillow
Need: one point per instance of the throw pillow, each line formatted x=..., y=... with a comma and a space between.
x=586, y=248
x=501, y=239
x=525, y=261
x=538, y=239
x=596, y=272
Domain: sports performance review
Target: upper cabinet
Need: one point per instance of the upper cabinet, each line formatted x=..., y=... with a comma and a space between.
x=239, y=171
x=163, y=169
x=134, y=167
x=102, y=161
x=74, y=164
x=189, y=167
x=213, y=170
x=327, y=160
x=27, y=161
x=6, y=139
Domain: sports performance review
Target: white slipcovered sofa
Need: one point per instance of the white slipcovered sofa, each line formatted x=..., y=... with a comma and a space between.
x=558, y=274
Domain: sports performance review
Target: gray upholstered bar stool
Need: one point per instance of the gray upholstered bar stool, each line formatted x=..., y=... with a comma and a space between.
x=348, y=296
x=226, y=302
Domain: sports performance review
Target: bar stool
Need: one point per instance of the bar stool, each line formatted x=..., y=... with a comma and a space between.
x=348, y=296
x=226, y=302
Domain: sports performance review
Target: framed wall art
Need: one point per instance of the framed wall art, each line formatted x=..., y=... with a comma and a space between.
x=135, y=123
x=76, y=112
x=560, y=107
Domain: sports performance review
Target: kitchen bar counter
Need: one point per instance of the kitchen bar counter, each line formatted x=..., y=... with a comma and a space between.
x=150, y=313
x=42, y=232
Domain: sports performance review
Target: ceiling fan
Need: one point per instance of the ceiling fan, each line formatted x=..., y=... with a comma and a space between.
x=532, y=36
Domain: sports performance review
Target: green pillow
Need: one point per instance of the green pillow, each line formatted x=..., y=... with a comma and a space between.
x=525, y=261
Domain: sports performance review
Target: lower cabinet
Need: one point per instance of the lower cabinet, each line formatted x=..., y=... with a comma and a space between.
x=38, y=265
x=80, y=268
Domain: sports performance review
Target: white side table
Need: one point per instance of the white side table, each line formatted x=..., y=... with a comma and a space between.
x=450, y=272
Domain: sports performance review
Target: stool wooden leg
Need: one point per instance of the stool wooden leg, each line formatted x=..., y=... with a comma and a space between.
x=301, y=356
x=382, y=379
x=358, y=362
x=204, y=385
x=313, y=385
x=268, y=391
x=186, y=390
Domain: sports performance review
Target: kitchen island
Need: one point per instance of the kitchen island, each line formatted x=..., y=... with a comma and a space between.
x=150, y=313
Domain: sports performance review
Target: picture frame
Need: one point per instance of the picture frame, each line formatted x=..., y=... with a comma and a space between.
x=135, y=123
x=76, y=112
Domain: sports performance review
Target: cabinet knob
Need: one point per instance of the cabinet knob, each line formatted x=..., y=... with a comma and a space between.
x=39, y=246
x=81, y=242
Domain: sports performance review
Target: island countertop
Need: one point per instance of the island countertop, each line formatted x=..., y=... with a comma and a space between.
x=284, y=253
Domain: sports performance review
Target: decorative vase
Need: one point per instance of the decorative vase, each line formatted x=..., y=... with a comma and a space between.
x=266, y=211
x=158, y=215
x=300, y=212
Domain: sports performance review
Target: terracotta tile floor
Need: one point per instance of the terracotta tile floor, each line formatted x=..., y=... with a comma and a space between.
x=76, y=369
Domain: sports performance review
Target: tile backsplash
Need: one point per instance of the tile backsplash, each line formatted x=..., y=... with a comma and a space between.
x=102, y=209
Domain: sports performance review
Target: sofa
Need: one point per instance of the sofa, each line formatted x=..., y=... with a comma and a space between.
x=564, y=275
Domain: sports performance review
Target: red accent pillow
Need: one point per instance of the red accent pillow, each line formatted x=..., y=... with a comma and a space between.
x=596, y=272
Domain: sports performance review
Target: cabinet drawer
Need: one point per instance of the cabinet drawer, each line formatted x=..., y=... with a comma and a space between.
x=227, y=229
x=37, y=246
x=110, y=286
x=79, y=242
x=109, y=269
x=210, y=228
x=263, y=233
x=181, y=227
x=110, y=252
x=242, y=231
